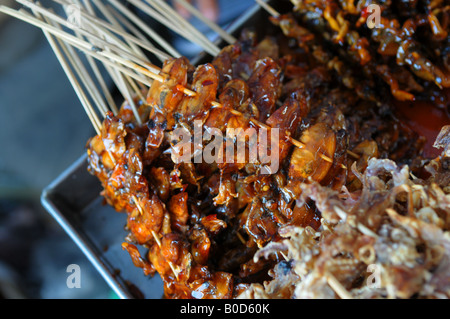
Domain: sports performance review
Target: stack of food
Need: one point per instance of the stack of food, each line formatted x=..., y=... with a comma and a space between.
x=353, y=208
x=404, y=43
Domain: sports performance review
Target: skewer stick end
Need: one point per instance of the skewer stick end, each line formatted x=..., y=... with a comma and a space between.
x=337, y=287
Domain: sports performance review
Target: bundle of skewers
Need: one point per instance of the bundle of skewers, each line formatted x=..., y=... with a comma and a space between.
x=351, y=188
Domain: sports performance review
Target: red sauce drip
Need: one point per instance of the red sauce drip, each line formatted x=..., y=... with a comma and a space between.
x=426, y=119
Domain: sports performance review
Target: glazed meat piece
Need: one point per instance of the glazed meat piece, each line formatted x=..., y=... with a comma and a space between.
x=171, y=258
x=292, y=29
x=306, y=164
x=165, y=96
x=108, y=147
x=215, y=286
x=156, y=125
x=244, y=64
x=260, y=224
x=224, y=62
x=160, y=180
x=287, y=119
x=265, y=87
x=234, y=96
x=146, y=218
x=138, y=260
x=205, y=83
x=178, y=208
x=126, y=179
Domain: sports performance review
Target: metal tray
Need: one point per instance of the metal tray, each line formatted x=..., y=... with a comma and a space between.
x=74, y=202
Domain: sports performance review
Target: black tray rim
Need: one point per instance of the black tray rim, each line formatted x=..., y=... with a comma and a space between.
x=77, y=236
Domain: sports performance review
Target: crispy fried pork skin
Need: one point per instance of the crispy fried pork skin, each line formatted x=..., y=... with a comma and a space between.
x=388, y=241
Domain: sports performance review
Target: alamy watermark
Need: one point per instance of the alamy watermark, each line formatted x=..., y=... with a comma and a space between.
x=238, y=146
x=373, y=12
x=73, y=12
x=74, y=279
x=373, y=281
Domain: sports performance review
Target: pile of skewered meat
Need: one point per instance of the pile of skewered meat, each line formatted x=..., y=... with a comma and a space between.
x=404, y=43
x=352, y=188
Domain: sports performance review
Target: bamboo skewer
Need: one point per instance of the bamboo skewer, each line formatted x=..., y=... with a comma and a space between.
x=82, y=72
x=162, y=56
x=138, y=40
x=184, y=28
x=337, y=287
x=137, y=68
x=106, y=92
x=67, y=50
x=124, y=86
x=226, y=36
x=75, y=62
x=155, y=236
x=173, y=23
x=70, y=38
x=104, y=87
x=169, y=16
x=155, y=15
x=74, y=82
x=113, y=73
x=88, y=48
x=133, y=18
x=136, y=89
x=268, y=8
x=126, y=93
x=118, y=28
x=84, y=32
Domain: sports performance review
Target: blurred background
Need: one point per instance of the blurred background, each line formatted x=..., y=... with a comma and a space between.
x=43, y=130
